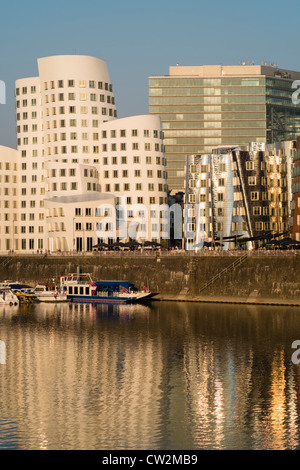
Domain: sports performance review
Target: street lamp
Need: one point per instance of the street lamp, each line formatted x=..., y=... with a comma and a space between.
x=73, y=234
x=13, y=235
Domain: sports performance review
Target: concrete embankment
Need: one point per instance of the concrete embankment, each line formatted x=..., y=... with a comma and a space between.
x=257, y=280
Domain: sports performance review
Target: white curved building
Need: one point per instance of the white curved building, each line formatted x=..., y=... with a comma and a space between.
x=9, y=197
x=72, y=147
x=133, y=168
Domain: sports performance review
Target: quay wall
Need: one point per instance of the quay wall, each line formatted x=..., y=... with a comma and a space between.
x=258, y=279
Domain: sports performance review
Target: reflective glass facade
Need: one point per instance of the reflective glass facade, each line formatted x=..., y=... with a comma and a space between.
x=239, y=192
x=200, y=113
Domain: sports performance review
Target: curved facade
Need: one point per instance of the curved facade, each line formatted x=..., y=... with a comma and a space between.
x=133, y=168
x=72, y=147
x=9, y=194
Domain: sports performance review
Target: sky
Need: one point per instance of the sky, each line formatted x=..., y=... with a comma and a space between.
x=138, y=39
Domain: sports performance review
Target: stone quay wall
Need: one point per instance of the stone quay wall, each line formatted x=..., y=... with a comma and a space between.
x=257, y=279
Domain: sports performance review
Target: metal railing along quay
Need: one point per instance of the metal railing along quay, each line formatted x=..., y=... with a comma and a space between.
x=156, y=254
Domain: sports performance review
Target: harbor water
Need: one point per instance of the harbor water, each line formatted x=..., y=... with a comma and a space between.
x=168, y=375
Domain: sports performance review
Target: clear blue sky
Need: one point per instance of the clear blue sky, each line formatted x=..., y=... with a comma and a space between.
x=138, y=39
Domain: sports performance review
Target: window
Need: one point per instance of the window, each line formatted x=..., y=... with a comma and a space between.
x=254, y=196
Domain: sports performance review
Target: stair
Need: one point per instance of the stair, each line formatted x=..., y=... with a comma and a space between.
x=233, y=265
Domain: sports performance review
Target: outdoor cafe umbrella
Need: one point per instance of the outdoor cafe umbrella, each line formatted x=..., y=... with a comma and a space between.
x=272, y=242
x=101, y=245
x=207, y=244
x=132, y=244
x=151, y=243
x=288, y=242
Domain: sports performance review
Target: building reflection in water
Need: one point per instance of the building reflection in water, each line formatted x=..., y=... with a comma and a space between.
x=166, y=376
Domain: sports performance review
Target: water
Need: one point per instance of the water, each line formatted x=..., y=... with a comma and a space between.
x=169, y=376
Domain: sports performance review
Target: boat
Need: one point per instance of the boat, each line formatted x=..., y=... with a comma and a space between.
x=7, y=297
x=22, y=291
x=49, y=293
x=81, y=288
x=25, y=296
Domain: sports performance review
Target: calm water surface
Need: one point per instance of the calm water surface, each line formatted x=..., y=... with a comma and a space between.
x=165, y=376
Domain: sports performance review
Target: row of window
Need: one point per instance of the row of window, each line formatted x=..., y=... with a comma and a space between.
x=237, y=226
x=104, y=212
x=70, y=83
x=72, y=172
x=31, y=229
x=85, y=149
x=250, y=165
x=138, y=187
x=33, y=191
x=71, y=97
x=81, y=83
x=133, y=133
x=252, y=181
x=254, y=196
x=72, y=110
x=23, y=217
x=136, y=173
x=83, y=110
x=73, y=186
x=269, y=211
x=136, y=160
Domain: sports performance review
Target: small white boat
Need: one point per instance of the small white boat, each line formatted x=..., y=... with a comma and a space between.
x=7, y=297
x=49, y=293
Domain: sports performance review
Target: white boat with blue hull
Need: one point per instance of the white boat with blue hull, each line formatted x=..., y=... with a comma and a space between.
x=81, y=288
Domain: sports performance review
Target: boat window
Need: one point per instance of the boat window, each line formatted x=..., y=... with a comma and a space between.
x=81, y=290
x=87, y=290
x=70, y=290
x=75, y=290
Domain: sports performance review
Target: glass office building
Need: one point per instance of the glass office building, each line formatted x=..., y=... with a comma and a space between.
x=209, y=106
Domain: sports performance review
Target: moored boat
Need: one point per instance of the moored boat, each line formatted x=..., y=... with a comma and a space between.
x=81, y=288
x=7, y=297
x=49, y=293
